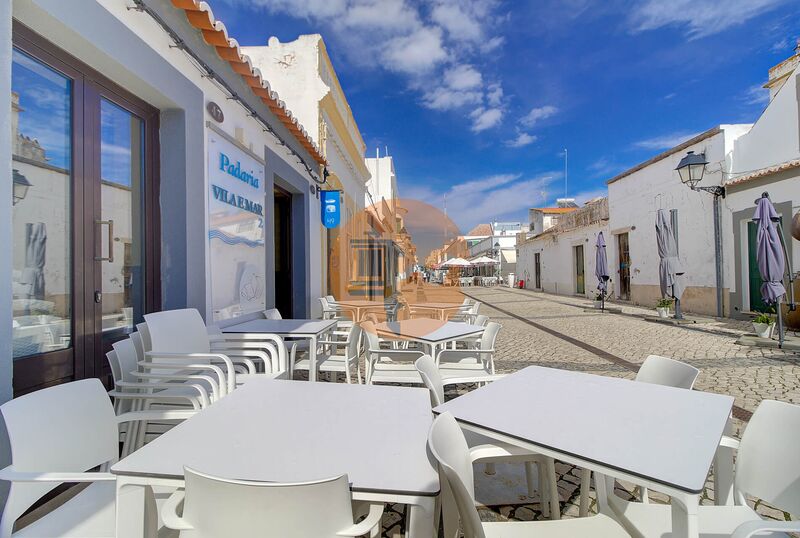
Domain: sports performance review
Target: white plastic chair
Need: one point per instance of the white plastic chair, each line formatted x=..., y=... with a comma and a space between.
x=657, y=370
x=490, y=451
x=331, y=310
x=56, y=435
x=388, y=365
x=215, y=507
x=471, y=365
x=669, y=372
x=341, y=356
x=272, y=313
x=767, y=468
x=447, y=444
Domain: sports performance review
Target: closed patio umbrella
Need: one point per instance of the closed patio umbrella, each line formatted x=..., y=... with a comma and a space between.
x=601, y=268
x=35, y=248
x=770, y=257
x=670, y=269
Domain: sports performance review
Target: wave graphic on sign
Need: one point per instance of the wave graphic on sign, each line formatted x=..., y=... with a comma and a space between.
x=232, y=240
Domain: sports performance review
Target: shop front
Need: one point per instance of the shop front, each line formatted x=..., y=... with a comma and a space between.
x=146, y=172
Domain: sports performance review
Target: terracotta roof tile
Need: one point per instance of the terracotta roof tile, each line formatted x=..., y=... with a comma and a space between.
x=215, y=34
x=481, y=229
x=788, y=165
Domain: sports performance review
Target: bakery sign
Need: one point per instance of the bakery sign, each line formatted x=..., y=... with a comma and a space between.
x=236, y=235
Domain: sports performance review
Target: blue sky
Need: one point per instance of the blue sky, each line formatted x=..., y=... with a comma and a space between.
x=476, y=99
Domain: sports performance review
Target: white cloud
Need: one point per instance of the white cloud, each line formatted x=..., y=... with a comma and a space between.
x=522, y=139
x=696, y=18
x=537, y=114
x=666, y=141
x=438, y=47
x=485, y=118
x=756, y=95
x=494, y=197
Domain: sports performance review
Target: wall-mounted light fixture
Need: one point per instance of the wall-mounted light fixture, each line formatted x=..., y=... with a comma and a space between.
x=21, y=186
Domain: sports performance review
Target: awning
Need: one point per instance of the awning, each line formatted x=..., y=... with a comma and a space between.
x=509, y=256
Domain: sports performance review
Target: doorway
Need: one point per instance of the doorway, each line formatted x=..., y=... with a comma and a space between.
x=757, y=304
x=624, y=257
x=537, y=266
x=580, y=282
x=283, y=252
x=85, y=215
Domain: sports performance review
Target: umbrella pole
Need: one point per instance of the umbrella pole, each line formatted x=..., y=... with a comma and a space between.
x=678, y=313
x=780, y=324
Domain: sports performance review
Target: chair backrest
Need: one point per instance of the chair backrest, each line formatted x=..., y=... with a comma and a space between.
x=272, y=313
x=490, y=335
x=330, y=298
x=323, y=302
x=65, y=428
x=432, y=378
x=127, y=359
x=481, y=320
x=475, y=307
x=178, y=331
x=217, y=507
x=354, y=341
x=113, y=363
x=768, y=462
x=447, y=444
x=138, y=343
x=368, y=329
x=663, y=371
x=147, y=343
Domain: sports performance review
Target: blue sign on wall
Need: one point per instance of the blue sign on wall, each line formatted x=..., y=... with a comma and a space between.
x=330, y=208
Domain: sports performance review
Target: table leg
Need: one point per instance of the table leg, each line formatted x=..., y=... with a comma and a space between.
x=137, y=515
x=420, y=518
x=312, y=359
x=723, y=472
x=684, y=516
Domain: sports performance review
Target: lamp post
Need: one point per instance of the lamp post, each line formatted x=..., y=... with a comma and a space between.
x=21, y=186
x=691, y=169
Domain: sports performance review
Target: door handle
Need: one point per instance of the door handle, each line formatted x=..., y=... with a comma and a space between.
x=110, y=257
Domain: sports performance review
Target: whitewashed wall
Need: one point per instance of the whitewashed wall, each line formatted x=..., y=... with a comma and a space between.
x=557, y=255
x=633, y=201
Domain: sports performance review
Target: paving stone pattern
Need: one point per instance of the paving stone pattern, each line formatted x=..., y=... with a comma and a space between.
x=556, y=332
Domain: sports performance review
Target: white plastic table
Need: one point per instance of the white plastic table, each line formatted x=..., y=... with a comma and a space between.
x=292, y=431
x=310, y=329
x=429, y=332
x=359, y=309
x=441, y=309
x=660, y=437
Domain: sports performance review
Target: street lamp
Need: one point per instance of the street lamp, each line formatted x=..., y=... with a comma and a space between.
x=691, y=169
x=21, y=186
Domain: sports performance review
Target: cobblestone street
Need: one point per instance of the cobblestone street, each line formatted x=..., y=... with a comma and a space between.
x=554, y=331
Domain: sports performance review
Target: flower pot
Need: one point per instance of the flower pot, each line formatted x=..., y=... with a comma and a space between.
x=663, y=311
x=763, y=330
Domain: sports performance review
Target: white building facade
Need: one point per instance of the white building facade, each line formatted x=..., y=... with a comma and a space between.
x=152, y=169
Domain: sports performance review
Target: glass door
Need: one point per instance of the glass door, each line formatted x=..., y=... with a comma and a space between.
x=118, y=229
x=85, y=219
x=44, y=176
x=580, y=284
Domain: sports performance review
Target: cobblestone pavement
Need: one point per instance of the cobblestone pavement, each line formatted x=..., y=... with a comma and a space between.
x=554, y=331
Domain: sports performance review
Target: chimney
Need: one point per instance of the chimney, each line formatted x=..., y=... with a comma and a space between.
x=780, y=73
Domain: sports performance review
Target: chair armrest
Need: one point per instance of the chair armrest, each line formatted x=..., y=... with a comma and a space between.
x=202, y=393
x=188, y=377
x=372, y=520
x=150, y=397
x=488, y=451
x=209, y=356
x=11, y=475
x=224, y=380
x=164, y=414
x=169, y=512
x=749, y=528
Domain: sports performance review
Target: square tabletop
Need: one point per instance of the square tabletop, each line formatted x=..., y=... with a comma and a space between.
x=294, y=327
x=438, y=306
x=664, y=434
x=427, y=330
x=293, y=431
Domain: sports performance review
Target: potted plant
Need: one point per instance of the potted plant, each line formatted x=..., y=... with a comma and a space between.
x=763, y=324
x=598, y=299
x=662, y=307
